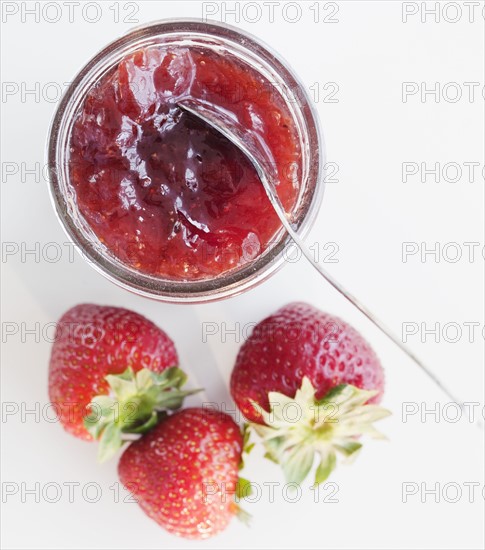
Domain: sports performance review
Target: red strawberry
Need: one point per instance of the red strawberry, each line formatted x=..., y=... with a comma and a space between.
x=308, y=382
x=101, y=350
x=184, y=472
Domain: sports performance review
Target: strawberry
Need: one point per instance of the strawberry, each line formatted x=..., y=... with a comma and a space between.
x=309, y=384
x=111, y=371
x=184, y=472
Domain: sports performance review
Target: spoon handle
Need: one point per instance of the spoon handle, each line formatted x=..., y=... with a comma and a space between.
x=278, y=207
x=238, y=138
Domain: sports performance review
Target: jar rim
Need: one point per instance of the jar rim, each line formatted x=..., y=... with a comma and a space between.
x=228, y=283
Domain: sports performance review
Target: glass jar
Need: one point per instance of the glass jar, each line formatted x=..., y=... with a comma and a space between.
x=219, y=37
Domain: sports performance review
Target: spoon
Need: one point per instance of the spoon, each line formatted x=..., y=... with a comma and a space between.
x=232, y=130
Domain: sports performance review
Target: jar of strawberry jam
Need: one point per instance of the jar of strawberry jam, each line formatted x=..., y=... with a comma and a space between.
x=158, y=201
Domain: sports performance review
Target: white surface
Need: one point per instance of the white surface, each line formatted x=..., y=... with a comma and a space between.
x=369, y=213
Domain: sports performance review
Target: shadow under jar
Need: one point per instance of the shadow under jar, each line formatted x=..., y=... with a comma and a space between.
x=157, y=201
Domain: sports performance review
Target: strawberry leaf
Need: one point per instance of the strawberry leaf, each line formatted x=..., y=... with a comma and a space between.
x=297, y=463
x=243, y=516
x=143, y=428
x=349, y=448
x=243, y=488
x=326, y=466
x=109, y=443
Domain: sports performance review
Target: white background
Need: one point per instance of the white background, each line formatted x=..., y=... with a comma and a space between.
x=369, y=212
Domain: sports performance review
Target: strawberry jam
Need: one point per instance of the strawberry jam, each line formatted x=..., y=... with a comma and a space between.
x=165, y=193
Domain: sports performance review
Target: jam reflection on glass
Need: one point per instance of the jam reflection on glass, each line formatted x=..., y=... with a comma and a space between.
x=167, y=194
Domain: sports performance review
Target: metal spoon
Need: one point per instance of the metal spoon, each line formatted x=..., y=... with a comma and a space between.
x=232, y=130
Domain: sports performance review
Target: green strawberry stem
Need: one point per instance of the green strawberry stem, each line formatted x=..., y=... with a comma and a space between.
x=135, y=404
x=243, y=516
x=243, y=487
x=297, y=430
